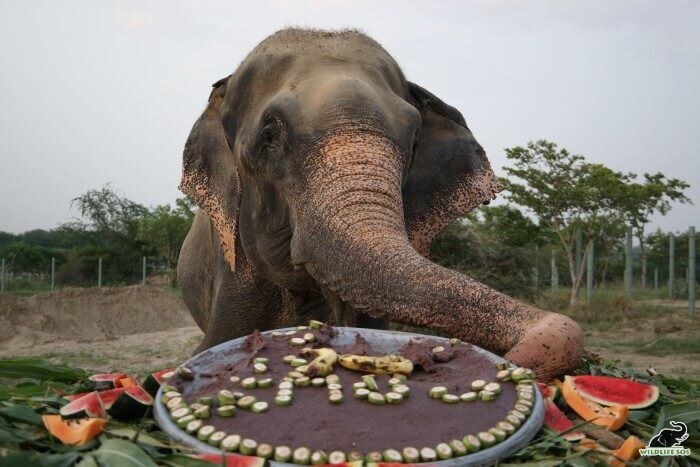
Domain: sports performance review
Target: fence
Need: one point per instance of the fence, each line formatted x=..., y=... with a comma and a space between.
x=14, y=281
x=673, y=283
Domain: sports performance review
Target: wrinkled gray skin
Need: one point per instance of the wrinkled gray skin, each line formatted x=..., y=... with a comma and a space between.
x=322, y=175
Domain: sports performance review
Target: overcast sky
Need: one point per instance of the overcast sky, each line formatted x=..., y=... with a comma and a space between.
x=96, y=92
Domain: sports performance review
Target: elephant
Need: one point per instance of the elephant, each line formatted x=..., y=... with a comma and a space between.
x=322, y=175
x=669, y=437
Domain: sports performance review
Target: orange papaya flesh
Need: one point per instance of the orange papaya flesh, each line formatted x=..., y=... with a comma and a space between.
x=612, y=418
x=126, y=383
x=629, y=449
x=77, y=432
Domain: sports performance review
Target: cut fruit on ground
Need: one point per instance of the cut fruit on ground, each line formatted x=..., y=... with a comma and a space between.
x=89, y=405
x=629, y=449
x=104, y=381
x=154, y=380
x=132, y=403
x=76, y=432
x=232, y=460
x=557, y=421
x=109, y=397
x=606, y=390
x=611, y=418
x=126, y=383
x=547, y=391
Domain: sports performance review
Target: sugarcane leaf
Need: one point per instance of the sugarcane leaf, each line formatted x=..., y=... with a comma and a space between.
x=120, y=453
x=21, y=413
x=87, y=461
x=36, y=368
x=29, y=458
x=182, y=460
x=129, y=433
x=639, y=415
x=686, y=412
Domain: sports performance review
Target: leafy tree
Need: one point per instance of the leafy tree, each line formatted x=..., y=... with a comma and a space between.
x=641, y=200
x=510, y=226
x=565, y=192
x=165, y=228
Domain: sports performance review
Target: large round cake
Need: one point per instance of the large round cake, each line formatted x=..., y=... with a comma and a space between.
x=318, y=394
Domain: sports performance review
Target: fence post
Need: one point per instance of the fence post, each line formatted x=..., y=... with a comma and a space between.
x=691, y=270
x=2, y=275
x=579, y=248
x=99, y=272
x=555, y=273
x=589, y=274
x=628, y=262
x=671, y=264
x=143, y=271
x=656, y=279
x=53, y=273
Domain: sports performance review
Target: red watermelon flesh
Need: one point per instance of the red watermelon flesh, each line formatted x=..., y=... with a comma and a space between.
x=72, y=397
x=557, y=421
x=110, y=396
x=232, y=460
x=106, y=380
x=548, y=392
x=89, y=405
x=608, y=391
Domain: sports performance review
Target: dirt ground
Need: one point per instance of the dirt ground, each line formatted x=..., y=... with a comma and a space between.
x=144, y=328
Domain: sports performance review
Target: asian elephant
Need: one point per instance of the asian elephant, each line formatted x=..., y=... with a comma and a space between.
x=322, y=176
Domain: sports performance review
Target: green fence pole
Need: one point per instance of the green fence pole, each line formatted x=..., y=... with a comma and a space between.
x=656, y=279
x=691, y=270
x=555, y=273
x=579, y=252
x=53, y=273
x=143, y=271
x=628, y=262
x=99, y=272
x=589, y=274
x=2, y=275
x=671, y=264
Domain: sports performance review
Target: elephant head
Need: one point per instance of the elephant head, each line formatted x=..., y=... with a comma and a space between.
x=333, y=173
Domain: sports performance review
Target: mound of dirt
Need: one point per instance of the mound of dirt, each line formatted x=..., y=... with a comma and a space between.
x=86, y=315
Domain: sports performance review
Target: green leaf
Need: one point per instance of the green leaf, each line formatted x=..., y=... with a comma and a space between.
x=638, y=415
x=686, y=412
x=21, y=413
x=182, y=460
x=87, y=461
x=129, y=433
x=39, y=460
x=36, y=368
x=120, y=453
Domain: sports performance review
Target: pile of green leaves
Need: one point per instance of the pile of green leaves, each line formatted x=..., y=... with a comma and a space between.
x=30, y=387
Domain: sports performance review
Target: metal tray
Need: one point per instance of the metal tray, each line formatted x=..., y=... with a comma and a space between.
x=383, y=341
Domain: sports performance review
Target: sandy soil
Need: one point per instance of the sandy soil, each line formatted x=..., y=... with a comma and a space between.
x=144, y=328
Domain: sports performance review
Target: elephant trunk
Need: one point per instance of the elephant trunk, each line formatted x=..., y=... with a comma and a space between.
x=355, y=244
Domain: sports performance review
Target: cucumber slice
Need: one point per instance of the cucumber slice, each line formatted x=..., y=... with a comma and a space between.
x=392, y=455
x=248, y=446
x=493, y=387
x=362, y=393
x=264, y=450
x=182, y=422
x=226, y=410
x=503, y=375
x=506, y=426
x=376, y=398
x=485, y=395
x=458, y=448
x=282, y=453
x=249, y=383
x=263, y=360
x=450, y=398
x=285, y=385
x=246, y=402
x=301, y=455
x=522, y=409
x=207, y=400
x=309, y=337
x=283, y=400
x=194, y=426
x=472, y=443
x=303, y=381
x=403, y=390
x=394, y=397
x=486, y=438
x=470, y=396
x=297, y=362
x=335, y=387
x=205, y=432
x=499, y=434
x=231, y=443
x=179, y=413
x=337, y=457
x=428, y=454
x=370, y=382
x=265, y=382
x=225, y=397
x=374, y=457
x=285, y=392
x=260, y=407
x=437, y=392
x=410, y=455
x=297, y=341
x=319, y=458
x=259, y=368
x=354, y=456
x=359, y=385
x=478, y=385
x=313, y=324
x=216, y=438
x=444, y=451
x=335, y=397
x=203, y=412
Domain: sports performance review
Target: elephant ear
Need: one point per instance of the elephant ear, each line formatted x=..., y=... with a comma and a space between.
x=209, y=175
x=450, y=174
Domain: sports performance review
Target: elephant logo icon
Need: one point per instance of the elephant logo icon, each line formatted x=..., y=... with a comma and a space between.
x=670, y=437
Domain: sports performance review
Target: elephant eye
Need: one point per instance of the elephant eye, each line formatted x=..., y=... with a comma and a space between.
x=269, y=137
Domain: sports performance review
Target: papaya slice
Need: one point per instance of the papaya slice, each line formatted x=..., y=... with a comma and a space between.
x=612, y=418
x=232, y=460
x=77, y=432
x=629, y=449
x=126, y=383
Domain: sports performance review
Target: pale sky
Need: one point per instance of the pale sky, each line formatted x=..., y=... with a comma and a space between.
x=95, y=92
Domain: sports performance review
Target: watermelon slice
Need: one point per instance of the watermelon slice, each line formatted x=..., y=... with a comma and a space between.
x=232, y=460
x=547, y=391
x=109, y=397
x=609, y=391
x=557, y=421
x=106, y=380
x=89, y=405
x=154, y=380
x=132, y=402
x=72, y=397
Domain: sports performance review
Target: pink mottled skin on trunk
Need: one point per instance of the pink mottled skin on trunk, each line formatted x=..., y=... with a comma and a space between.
x=352, y=238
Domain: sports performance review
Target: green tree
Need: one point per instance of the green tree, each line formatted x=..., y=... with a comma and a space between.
x=165, y=228
x=565, y=192
x=655, y=194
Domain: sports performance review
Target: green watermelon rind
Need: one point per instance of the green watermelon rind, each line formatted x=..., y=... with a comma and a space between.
x=88, y=405
x=638, y=403
x=132, y=403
